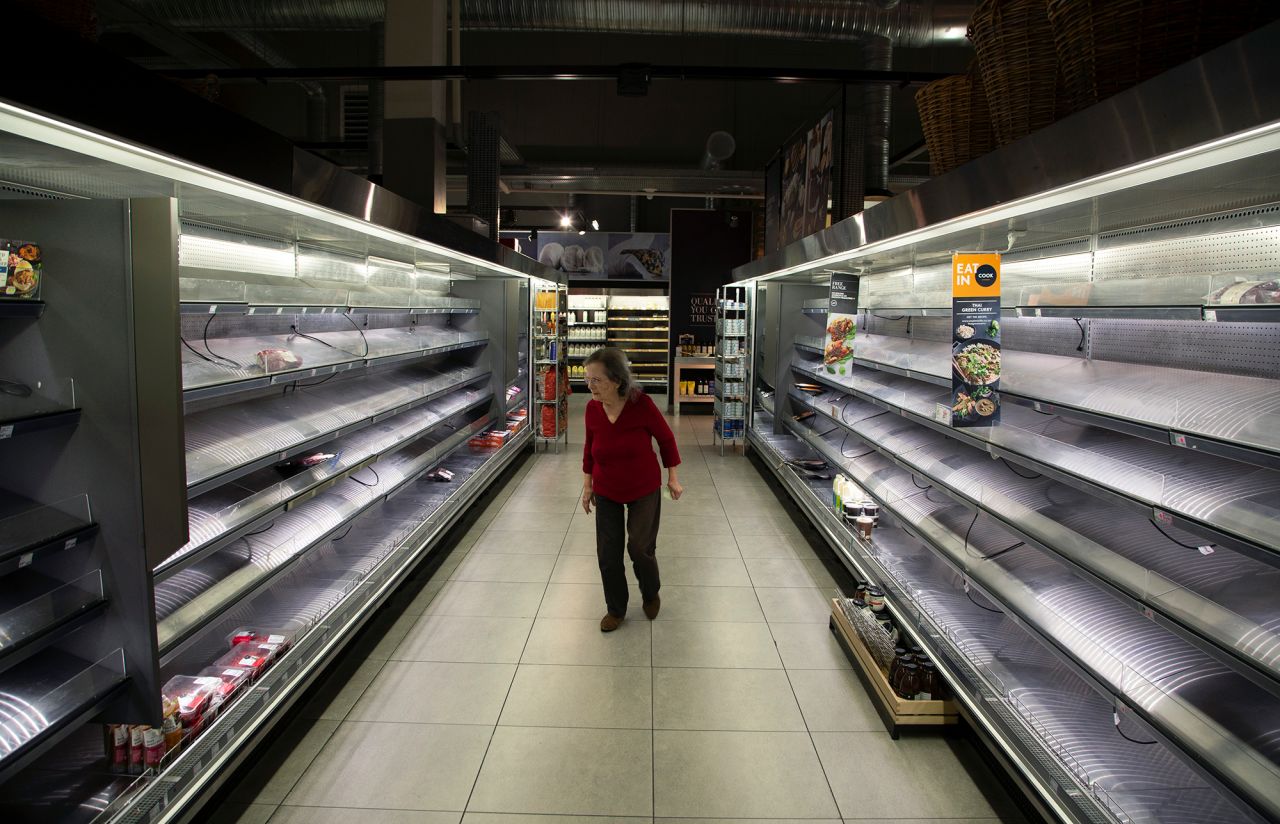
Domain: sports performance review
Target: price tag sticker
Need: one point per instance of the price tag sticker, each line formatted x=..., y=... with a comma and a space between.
x=1211, y=315
x=6, y=432
x=1206, y=550
x=25, y=560
x=1178, y=439
x=69, y=543
x=942, y=414
x=1163, y=517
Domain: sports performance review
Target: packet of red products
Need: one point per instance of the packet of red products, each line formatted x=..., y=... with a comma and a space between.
x=193, y=696
x=137, y=749
x=172, y=726
x=119, y=747
x=282, y=637
x=230, y=679
x=253, y=656
x=153, y=740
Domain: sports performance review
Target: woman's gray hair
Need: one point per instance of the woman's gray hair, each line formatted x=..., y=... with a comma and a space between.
x=617, y=367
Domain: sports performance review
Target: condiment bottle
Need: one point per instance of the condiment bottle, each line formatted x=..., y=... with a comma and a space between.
x=865, y=524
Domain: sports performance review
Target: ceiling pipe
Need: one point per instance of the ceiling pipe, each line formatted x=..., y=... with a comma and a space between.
x=878, y=106
x=905, y=22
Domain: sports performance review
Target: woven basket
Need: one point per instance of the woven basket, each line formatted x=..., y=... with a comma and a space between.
x=1107, y=46
x=956, y=121
x=1019, y=65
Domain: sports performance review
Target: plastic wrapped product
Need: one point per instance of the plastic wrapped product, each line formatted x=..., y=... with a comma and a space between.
x=278, y=360
x=281, y=637
x=172, y=726
x=119, y=747
x=137, y=749
x=153, y=741
x=230, y=680
x=251, y=655
x=194, y=697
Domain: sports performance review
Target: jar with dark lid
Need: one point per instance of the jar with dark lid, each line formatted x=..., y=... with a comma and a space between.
x=931, y=683
x=898, y=654
x=915, y=650
x=860, y=590
x=875, y=599
x=907, y=684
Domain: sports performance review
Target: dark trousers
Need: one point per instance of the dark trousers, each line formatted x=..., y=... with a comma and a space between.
x=637, y=524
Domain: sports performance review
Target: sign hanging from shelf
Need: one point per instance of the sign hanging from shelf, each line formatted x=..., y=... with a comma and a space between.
x=975, y=339
x=842, y=323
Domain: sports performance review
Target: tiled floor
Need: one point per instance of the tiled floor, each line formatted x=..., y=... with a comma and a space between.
x=493, y=698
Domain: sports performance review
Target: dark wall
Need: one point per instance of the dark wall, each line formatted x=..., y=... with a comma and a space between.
x=705, y=247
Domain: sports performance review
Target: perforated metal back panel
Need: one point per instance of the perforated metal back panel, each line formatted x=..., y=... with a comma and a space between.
x=1244, y=252
x=1048, y=336
x=1251, y=349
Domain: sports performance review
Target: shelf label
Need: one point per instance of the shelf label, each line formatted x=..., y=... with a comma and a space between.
x=1163, y=517
x=1178, y=439
x=1206, y=550
x=942, y=414
x=6, y=431
x=975, y=339
x=26, y=559
x=68, y=544
x=842, y=323
x=1211, y=315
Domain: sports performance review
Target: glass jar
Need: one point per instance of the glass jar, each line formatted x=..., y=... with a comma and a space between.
x=933, y=682
x=898, y=653
x=907, y=684
x=860, y=591
x=875, y=599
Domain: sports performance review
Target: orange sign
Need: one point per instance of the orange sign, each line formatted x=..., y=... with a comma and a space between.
x=975, y=275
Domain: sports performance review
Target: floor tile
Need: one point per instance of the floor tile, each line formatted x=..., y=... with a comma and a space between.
x=384, y=634
x=778, y=524
x=581, y=543
x=383, y=766
x=834, y=701
x=569, y=642
x=753, y=821
x=434, y=692
x=509, y=568
x=511, y=818
x=898, y=791
x=527, y=522
x=234, y=813
x=342, y=688
x=691, y=508
x=795, y=605
x=284, y=762
x=776, y=546
x=532, y=502
x=585, y=569
x=703, y=572
x=567, y=772
x=465, y=640
x=694, y=525
x=422, y=599
x=739, y=775
x=671, y=545
x=691, y=603
x=519, y=543
x=808, y=646
x=713, y=644
x=724, y=699
x=338, y=815
x=488, y=599
x=785, y=572
x=583, y=601
x=558, y=696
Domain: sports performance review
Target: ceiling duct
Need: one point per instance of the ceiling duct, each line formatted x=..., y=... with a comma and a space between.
x=905, y=22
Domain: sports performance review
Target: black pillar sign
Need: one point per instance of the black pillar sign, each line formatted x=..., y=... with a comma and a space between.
x=842, y=324
x=975, y=340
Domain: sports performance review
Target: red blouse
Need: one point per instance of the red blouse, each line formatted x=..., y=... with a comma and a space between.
x=619, y=456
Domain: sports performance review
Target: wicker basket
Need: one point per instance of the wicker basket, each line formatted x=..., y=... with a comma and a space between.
x=1019, y=66
x=956, y=121
x=1107, y=46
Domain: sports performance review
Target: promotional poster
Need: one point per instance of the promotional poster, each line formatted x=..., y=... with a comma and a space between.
x=842, y=324
x=975, y=339
x=607, y=255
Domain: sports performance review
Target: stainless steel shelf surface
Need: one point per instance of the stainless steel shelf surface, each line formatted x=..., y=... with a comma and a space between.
x=1227, y=498
x=229, y=442
x=1053, y=725
x=227, y=512
x=1229, y=721
x=189, y=598
x=236, y=364
x=36, y=607
x=1240, y=411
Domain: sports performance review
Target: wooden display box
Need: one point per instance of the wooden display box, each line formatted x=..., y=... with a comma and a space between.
x=894, y=710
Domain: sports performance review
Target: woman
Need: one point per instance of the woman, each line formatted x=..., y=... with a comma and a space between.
x=621, y=475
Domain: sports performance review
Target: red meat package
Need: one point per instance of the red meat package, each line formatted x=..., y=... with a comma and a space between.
x=278, y=360
x=282, y=637
x=251, y=655
x=230, y=680
x=194, y=697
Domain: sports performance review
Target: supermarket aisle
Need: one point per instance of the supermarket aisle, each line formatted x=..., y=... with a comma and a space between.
x=495, y=694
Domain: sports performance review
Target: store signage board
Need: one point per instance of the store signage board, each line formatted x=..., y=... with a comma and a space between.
x=975, y=339
x=842, y=323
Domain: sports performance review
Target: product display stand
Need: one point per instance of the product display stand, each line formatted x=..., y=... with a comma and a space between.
x=639, y=327
x=551, y=367
x=730, y=360
x=587, y=331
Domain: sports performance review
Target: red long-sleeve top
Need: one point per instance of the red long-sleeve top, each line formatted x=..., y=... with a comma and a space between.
x=619, y=456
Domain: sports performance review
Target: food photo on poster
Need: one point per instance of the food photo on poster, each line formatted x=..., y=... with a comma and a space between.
x=607, y=255
x=975, y=340
x=842, y=324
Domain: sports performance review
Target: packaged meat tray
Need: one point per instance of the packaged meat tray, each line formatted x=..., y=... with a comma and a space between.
x=230, y=680
x=194, y=697
x=281, y=637
x=250, y=655
x=278, y=360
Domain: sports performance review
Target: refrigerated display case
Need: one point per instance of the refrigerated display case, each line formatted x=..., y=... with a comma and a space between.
x=1094, y=574
x=551, y=360
x=250, y=417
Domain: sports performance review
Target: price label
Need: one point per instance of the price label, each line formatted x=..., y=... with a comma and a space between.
x=1163, y=517
x=1206, y=550
x=26, y=560
x=1211, y=315
x=69, y=543
x=1178, y=439
x=942, y=414
x=6, y=432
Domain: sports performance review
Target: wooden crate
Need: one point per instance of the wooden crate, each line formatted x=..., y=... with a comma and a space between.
x=894, y=710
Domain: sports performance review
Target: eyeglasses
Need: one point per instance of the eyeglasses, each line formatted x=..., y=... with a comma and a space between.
x=596, y=381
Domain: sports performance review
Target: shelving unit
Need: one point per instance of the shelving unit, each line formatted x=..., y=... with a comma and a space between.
x=640, y=327
x=550, y=336
x=731, y=391
x=1094, y=574
x=325, y=367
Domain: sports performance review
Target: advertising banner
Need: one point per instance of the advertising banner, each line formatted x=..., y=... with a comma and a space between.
x=607, y=255
x=805, y=183
x=842, y=323
x=975, y=339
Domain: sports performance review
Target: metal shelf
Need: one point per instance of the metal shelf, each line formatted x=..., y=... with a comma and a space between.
x=695, y=399
x=29, y=531
x=343, y=353
x=227, y=443
x=1229, y=415
x=19, y=425
x=1055, y=729
x=1222, y=499
x=1188, y=696
x=225, y=514
x=188, y=599
x=1215, y=598
x=25, y=309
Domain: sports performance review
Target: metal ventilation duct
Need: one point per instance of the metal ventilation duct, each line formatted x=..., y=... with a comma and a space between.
x=905, y=22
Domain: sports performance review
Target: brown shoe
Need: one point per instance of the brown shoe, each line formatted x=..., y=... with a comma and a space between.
x=610, y=622
x=651, y=607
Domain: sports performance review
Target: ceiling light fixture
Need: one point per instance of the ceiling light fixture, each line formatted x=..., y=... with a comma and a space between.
x=582, y=232
x=565, y=221
x=595, y=224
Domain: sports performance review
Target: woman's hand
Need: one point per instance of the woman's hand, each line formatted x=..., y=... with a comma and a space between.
x=677, y=489
x=588, y=496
